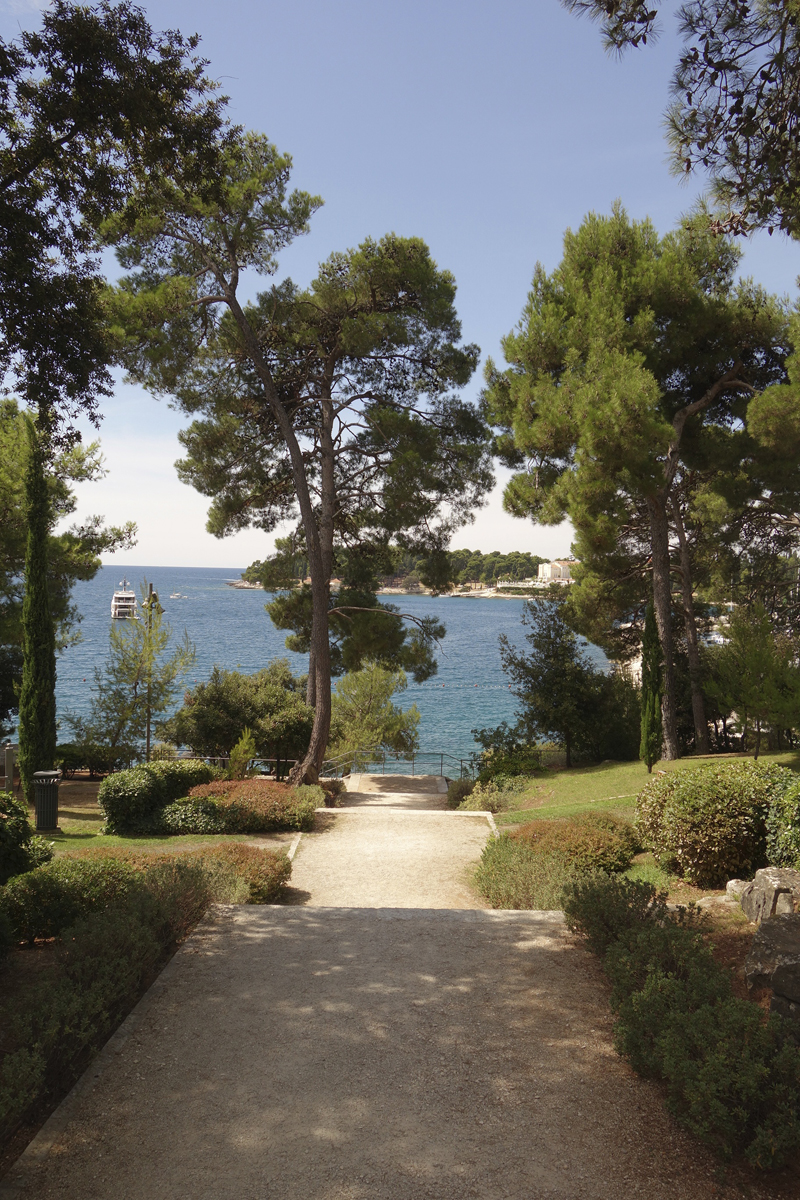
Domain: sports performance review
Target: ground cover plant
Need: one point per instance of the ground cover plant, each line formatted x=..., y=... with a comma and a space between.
x=731, y=1072
x=131, y=800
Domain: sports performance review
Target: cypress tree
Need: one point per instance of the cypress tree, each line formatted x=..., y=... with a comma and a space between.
x=37, y=702
x=652, y=733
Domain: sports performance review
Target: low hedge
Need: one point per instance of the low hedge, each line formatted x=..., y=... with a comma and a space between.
x=136, y=907
x=243, y=806
x=588, y=841
x=43, y=902
x=20, y=848
x=131, y=801
x=511, y=874
x=732, y=1074
x=710, y=823
x=494, y=795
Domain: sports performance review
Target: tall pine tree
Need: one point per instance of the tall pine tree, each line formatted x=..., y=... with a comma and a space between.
x=37, y=702
x=652, y=730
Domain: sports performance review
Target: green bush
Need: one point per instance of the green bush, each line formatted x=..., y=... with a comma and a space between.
x=20, y=848
x=43, y=902
x=264, y=872
x=710, y=823
x=732, y=1075
x=589, y=841
x=496, y=795
x=523, y=761
x=131, y=800
x=783, y=827
x=92, y=757
x=457, y=791
x=603, y=908
x=246, y=806
x=512, y=875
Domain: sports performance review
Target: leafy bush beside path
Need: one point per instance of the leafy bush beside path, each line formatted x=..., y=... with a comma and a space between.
x=732, y=1074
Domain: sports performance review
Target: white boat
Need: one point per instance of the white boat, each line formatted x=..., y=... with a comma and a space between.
x=177, y=596
x=123, y=603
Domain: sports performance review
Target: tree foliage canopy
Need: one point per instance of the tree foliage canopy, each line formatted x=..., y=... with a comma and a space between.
x=735, y=110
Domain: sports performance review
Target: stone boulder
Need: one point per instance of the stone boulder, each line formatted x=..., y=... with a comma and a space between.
x=774, y=891
x=774, y=962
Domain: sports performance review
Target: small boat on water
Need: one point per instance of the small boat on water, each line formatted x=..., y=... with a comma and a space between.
x=177, y=596
x=123, y=603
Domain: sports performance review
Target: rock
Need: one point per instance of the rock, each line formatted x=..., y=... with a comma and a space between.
x=735, y=887
x=774, y=890
x=789, y=1009
x=786, y=980
x=775, y=951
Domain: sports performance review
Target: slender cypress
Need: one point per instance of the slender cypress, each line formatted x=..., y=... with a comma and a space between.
x=652, y=731
x=37, y=702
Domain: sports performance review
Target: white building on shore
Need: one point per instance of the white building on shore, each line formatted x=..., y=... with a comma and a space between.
x=556, y=572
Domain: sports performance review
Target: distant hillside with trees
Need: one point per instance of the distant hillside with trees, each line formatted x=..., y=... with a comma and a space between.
x=466, y=567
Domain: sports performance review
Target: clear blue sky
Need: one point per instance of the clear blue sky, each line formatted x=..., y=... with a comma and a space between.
x=486, y=129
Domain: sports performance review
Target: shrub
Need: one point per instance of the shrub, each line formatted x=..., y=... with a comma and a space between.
x=524, y=760
x=603, y=908
x=783, y=828
x=131, y=800
x=40, y=903
x=241, y=754
x=495, y=796
x=732, y=1076
x=20, y=848
x=243, y=806
x=589, y=841
x=263, y=871
x=512, y=875
x=710, y=823
x=457, y=791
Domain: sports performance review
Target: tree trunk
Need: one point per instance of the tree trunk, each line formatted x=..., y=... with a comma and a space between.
x=662, y=602
x=692, y=649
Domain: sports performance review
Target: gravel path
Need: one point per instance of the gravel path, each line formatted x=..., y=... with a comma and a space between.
x=389, y=1041
x=351, y=1054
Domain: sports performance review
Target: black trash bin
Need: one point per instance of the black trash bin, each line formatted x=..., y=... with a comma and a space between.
x=45, y=795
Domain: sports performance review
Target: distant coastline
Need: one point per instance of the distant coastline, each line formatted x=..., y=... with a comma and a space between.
x=508, y=592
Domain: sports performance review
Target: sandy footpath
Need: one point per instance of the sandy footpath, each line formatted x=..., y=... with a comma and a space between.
x=350, y=1054
x=379, y=1038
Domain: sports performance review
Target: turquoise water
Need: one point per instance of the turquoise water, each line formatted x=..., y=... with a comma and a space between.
x=230, y=629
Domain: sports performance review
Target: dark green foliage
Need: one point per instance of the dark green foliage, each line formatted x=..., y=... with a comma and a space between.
x=512, y=875
x=564, y=699
x=131, y=800
x=506, y=751
x=271, y=703
x=37, y=702
x=603, y=908
x=651, y=730
x=91, y=757
x=783, y=827
x=709, y=823
x=589, y=841
x=732, y=1075
x=20, y=848
x=43, y=902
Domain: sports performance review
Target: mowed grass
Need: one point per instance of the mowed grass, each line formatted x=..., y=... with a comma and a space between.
x=606, y=787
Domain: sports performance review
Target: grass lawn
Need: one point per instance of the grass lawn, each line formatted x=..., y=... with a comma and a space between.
x=607, y=787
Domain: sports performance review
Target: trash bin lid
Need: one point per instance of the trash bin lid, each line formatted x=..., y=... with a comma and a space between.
x=47, y=776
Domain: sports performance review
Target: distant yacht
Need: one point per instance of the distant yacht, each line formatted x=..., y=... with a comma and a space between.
x=123, y=603
x=177, y=596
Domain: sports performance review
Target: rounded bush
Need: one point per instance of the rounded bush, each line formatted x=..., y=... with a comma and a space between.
x=709, y=823
x=589, y=841
x=132, y=800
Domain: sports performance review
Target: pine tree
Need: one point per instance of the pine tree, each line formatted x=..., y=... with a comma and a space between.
x=37, y=703
x=652, y=732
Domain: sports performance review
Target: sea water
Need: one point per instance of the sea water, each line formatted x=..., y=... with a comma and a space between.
x=231, y=629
